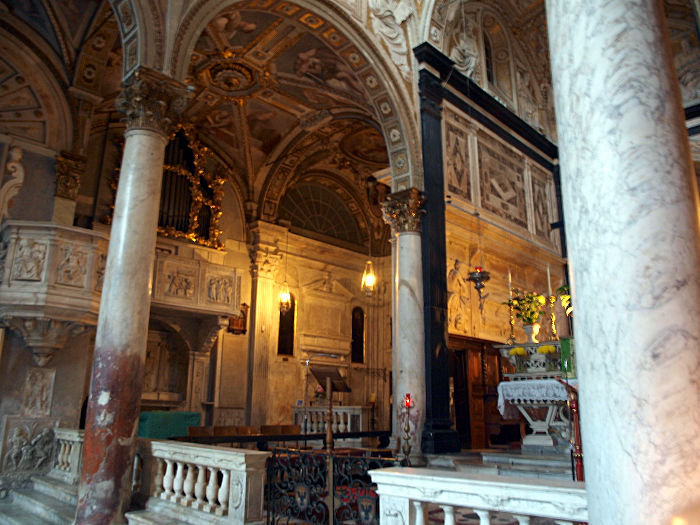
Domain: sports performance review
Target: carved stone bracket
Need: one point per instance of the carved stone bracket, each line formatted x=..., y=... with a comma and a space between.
x=69, y=169
x=402, y=211
x=209, y=331
x=152, y=101
x=14, y=179
x=44, y=336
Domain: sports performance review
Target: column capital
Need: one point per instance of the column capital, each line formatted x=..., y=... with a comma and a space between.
x=151, y=101
x=266, y=242
x=402, y=211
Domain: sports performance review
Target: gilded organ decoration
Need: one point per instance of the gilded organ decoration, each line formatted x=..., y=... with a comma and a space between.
x=502, y=180
x=72, y=266
x=29, y=260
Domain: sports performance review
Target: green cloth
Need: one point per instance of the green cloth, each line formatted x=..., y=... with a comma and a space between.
x=160, y=424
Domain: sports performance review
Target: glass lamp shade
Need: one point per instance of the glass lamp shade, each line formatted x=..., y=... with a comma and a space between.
x=369, y=279
x=285, y=298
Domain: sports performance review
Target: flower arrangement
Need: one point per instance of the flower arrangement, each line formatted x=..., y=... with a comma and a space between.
x=527, y=305
x=546, y=349
x=518, y=350
x=320, y=393
x=518, y=356
x=565, y=298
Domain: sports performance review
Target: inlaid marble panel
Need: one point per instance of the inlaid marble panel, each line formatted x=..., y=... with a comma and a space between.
x=502, y=180
x=541, y=190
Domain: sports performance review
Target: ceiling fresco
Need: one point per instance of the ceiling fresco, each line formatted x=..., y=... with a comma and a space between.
x=280, y=91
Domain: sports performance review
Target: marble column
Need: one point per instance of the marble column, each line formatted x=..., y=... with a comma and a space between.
x=402, y=210
x=265, y=256
x=120, y=345
x=631, y=204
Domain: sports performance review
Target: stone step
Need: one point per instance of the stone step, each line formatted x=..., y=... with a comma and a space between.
x=149, y=517
x=45, y=507
x=13, y=514
x=57, y=489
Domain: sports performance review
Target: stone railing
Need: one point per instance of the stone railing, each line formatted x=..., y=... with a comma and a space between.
x=313, y=420
x=406, y=495
x=199, y=483
x=68, y=455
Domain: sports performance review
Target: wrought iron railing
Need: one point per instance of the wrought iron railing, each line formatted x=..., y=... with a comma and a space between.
x=321, y=488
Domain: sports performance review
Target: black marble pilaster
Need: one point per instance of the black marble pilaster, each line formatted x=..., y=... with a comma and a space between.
x=438, y=435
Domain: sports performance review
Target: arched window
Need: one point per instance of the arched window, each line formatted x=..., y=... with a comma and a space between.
x=285, y=340
x=358, y=335
x=488, y=57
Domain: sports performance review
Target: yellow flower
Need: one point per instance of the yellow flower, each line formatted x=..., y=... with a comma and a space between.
x=518, y=350
x=546, y=349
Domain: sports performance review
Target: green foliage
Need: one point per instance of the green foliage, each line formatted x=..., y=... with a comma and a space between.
x=565, y=298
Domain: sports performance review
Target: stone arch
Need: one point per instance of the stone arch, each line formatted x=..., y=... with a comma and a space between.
x=33, y=98
x=387, y=91
x=141, y=26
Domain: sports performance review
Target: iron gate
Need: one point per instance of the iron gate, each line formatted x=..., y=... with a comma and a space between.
x=313, y=487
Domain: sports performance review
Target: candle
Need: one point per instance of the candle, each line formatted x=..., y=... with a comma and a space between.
x=510, y=285
x=549, y=282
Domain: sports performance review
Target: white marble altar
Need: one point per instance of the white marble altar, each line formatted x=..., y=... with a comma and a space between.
x=631, y=208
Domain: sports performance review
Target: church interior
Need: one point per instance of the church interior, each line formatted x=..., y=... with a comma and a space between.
x=396, y=169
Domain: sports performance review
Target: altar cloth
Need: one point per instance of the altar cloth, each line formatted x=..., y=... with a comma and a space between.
x=529, y=391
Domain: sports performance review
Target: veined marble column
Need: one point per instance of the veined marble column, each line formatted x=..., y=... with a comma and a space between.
x=402, y=211
x=122, y=327
x=264, y=317
x=632, y=223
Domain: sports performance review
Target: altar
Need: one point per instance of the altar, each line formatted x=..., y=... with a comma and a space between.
x=543, y=403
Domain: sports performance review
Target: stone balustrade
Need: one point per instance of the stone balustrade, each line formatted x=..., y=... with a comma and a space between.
x=406, y=494
x=68, y=455
x=205, y=484
x=313, y=420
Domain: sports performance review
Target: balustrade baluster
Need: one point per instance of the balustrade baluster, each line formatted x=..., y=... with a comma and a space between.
x=484, y=516
x=522, y=520
x=179, y=480
x=199, y=486
x=449, y=511
x=168, y=479
x=212, y=487
x=188, y=487
x=62, y=457
x=342, y=426
x=224, y=492
x=158, y=478
x=419, y=512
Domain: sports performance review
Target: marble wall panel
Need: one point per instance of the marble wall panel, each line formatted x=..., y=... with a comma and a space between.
x=456, y=157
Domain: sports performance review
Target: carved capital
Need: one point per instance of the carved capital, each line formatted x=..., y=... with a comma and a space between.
x=151, y=101
x=402, y=211
x=44, y=336
x=69, y=169
x=264, y=261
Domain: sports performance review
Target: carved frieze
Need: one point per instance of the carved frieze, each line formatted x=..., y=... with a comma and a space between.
x=38, y=392
x=180, y=283
x=72, y=266
x=69, y=168
x=29, y=260
x=402, y=211
x=27, y=445
x=151, y=100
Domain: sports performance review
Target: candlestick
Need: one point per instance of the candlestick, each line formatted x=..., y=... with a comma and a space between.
x=510, y=286
x=549, y=283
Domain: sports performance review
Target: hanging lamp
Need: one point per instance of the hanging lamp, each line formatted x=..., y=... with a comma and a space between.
x=285, y=295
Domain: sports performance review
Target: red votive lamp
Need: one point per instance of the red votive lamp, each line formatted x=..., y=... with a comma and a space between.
x=407, y=401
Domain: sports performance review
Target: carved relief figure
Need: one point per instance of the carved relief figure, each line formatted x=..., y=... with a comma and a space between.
x=220, y=290
x=37, y=393
x=27, y=450
x=71, y=268
x=465, y=51
x=386, y=21
x=687, y=62
x=101, y=266
x=527, y=102
x=29, y=261
x=16, y=442
x=457, y=298
x=179, y=285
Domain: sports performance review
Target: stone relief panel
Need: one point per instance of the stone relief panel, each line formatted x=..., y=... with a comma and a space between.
x=37, y=393
x=72, y=266
x=28, y=264
x=542, y=188
x=456, y=157
x=27, y=444
x=458, y=297
x=502, y=180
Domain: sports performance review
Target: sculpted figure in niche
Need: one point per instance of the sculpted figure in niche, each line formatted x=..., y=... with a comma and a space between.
x=465, y=51
x=386, y=21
